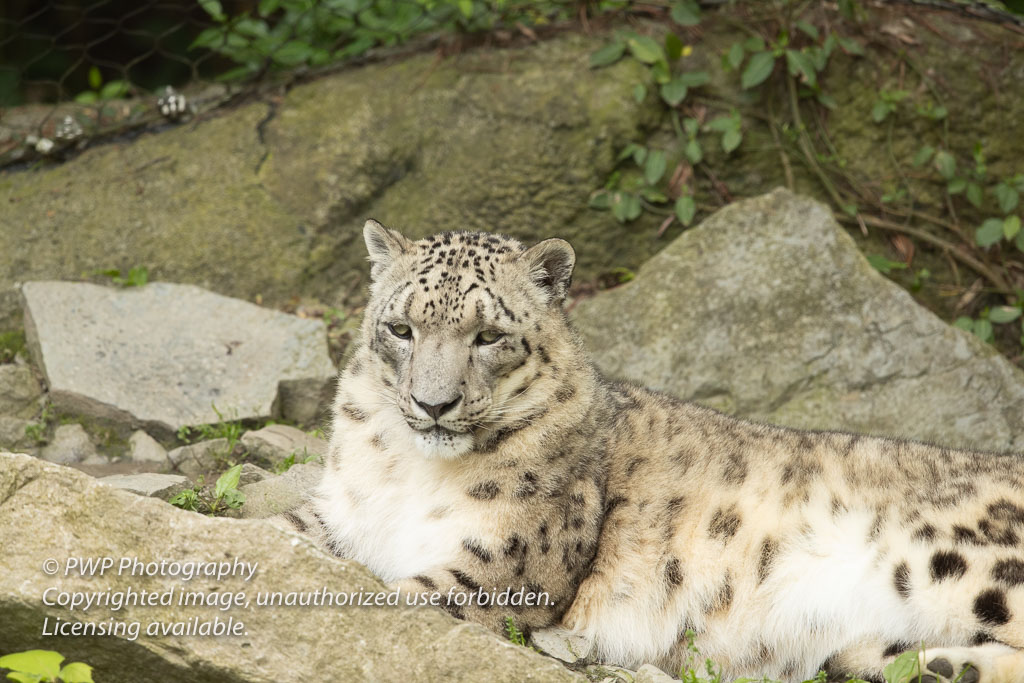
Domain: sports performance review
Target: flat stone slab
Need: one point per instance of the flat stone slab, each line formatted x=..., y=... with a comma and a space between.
x=148, y=484
x=275, y=443
x=53, y=514
x=769, y=311
x=164, y=355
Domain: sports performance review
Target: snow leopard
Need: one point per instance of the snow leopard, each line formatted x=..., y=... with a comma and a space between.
x=477, y=454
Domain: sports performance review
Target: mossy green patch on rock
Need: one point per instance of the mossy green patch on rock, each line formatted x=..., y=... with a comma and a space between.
x=270, y=201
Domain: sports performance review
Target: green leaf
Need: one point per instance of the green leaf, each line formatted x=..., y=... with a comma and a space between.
x=694, y=79
x=686, y=12
x=1004, y=314
x=87, y=97
x=1011, y=226
x=213, y=8
x=466, y=7
x=759, y=68
x=884, y=265
x=653, y=195
x=904, y=668
x=983, y=329
x=638, y=152
x=95, y=78
x=923, y=156
x=292, y=53
x=609, y=54
x=686, y=208
x=731, y=139
x=956, y=185
x=974, y=195
x=268, y=7
x=691, y=126
x=753, y=44
x=807, y=28
x=1020, y=241
x=693, y=152
x=800, y=64
x=76, y=672
x=722, y=123
x=600, y=200
x=639, y=92
x=673, y=47
x=735, y=55
x=227, y=481
x=45, y=663
x=827, y=100
x=646, y=49
x=661, y=73
x=964, y=323
x=114, y=89
x=990, y=232
x=851, y=46
x=24, y=678
x=674, y=91
x=626, y=206
x=880, y=111
x=1008, y=197
x=654, y=169
x=945, y=164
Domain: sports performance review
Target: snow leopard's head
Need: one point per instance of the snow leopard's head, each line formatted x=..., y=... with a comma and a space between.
x=464, y=325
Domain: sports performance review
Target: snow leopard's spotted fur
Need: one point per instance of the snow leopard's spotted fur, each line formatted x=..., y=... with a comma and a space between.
x=457, y=464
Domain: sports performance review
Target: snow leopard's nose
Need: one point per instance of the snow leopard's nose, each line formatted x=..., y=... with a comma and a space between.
x=436, y=410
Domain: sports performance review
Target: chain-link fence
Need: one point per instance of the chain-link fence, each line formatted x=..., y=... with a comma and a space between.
x=73, y=70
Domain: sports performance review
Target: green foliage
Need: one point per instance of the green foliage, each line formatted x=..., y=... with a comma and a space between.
x=11, y=344
x=513, y=632
x=37, y=430
x=136, y=276
x=886, y=104
x=102, y=91
x=293, y=459
x=231, y=430
x=291, y=33
x=38, y=666
x=884, y=265
x=224, y=496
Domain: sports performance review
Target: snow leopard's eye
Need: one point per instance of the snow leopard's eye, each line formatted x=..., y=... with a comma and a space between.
x=488, y=337
x=400, y=330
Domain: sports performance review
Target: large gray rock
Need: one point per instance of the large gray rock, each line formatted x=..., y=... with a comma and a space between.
x=271, y=198
x=56, y=513
x=768, y=311
x=164, y=355
x=70, y=444
x=19, y=391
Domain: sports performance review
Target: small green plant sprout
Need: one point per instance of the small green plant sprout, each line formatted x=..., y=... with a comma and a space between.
x=294, y=458
x=225, y=491
x=100, y=91
x=887, y=102
x=136, y=276
x=11, y=344
x=731, y=127
x=513, y=632
x=38, y=429
x=44, y=666
x=885, y=265
x=231, y=430
x=186, y=500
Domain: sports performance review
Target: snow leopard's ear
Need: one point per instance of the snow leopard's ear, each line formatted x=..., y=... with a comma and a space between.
x=551, y=263
x=383, y=245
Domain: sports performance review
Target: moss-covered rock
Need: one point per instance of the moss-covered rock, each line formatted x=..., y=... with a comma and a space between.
x=269, y=200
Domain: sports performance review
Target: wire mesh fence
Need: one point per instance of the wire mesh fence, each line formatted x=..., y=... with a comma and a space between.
x=72, y=70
